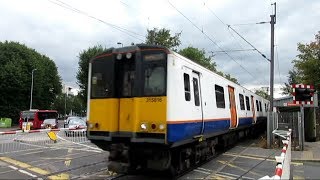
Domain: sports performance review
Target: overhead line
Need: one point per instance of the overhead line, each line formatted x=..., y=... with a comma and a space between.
x=264, y=56
x=238, y=33
x=210, y=39
x=212, y=12
x=69, y=7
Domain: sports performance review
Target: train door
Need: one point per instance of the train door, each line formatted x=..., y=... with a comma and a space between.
x=197, y=98
x=253, y=110
x=233, y=109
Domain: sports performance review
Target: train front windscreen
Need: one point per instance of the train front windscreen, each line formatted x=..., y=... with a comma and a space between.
x=131, y=74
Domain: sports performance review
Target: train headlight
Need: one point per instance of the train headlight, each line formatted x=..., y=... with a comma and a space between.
x=119, y=56
x=161, y=127
x=128, y=55
x=144, y=126
x=90, y=125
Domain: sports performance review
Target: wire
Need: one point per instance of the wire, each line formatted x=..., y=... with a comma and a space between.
x=245, y=24
x=211, y=39
x=264, y=56
x=69, y=7
x=212, y=12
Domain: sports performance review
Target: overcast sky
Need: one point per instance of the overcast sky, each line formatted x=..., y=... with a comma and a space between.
x=61, y=33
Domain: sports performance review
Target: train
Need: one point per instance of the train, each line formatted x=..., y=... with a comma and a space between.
x=152, y=108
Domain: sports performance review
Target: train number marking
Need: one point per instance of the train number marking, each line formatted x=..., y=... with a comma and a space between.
x=154, y=99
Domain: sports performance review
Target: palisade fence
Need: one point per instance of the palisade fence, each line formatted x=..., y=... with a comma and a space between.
x=290, y=120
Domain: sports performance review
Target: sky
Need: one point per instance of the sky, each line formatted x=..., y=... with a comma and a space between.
x=61, y=29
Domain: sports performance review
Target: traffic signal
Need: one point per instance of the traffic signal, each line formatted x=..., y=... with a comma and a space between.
x=302, y=93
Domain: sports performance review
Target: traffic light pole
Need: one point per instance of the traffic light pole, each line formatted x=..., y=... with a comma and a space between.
x=270, y=122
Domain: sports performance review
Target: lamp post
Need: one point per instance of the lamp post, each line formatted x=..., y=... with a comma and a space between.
x=120, y=43
x=31, y=88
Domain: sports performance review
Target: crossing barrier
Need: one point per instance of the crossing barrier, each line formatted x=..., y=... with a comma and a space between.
x=15, y=141
x=282, y=170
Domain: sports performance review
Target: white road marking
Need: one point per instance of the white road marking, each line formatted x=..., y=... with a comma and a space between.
x=90, y=147
x=204, y=172
x=23, y=171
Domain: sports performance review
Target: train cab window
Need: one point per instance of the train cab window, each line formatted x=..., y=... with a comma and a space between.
x=186, y=79
x=247, y=103
x=154, y=80
x=154, y=73
x=241, y=99
x=220, y=97
x=196, y=91
x=102, y=77
x=257, y=104
x=260, y=106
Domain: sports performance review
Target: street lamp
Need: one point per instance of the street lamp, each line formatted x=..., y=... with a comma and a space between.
x=120, y=43
x=31, y=88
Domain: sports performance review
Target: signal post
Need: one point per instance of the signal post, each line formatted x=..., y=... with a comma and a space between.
x=302, y=96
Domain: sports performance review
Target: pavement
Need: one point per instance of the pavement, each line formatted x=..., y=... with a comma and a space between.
x=12, y=128
x=310, y=153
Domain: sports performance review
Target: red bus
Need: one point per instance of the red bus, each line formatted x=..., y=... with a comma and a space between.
x=36, y=117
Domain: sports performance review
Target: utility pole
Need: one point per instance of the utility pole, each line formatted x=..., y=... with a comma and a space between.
x=31, y=91
x=270, y=117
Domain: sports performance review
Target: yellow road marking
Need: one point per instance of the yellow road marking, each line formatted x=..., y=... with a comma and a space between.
x=247, y=156
x=220, y=177
x=237, y=167
x=33, y=169
x=298, y=177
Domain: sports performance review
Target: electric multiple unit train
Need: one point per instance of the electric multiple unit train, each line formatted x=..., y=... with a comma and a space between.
x=153, y=108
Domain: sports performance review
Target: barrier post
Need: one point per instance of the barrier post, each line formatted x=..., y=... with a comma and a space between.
x=282, y=170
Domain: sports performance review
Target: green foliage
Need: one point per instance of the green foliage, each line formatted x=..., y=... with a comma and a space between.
x=17, y=62
x=262, y=93
x=199, y=56
x=292, y=79
x=73, y=103
x=163, y=37
x=306, y=66
x=82, y=74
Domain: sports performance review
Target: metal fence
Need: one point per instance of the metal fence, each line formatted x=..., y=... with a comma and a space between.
x=16, y=141
x=290, y=120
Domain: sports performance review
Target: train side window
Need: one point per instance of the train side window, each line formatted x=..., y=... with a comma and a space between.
x=265, y=107
x=196, y=92
x=257, y=104
x=241, y=99
x=248, y=103
x=220, y=96
x=187, y=94
x=260, y=106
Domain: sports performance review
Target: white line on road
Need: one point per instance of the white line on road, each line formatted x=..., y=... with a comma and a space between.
x=23, y=171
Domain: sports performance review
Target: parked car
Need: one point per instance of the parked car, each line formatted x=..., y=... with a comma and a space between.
x=50, y=124
x=66, y=122
x=76, y=123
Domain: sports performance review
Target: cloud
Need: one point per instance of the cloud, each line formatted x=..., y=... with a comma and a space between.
x=62, y=34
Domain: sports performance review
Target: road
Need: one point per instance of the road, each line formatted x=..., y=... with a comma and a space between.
x=36, y=156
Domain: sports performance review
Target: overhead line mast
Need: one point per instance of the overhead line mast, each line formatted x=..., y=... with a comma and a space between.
x=271, y=119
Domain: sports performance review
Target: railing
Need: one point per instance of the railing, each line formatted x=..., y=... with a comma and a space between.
x=15, y=141
x=282, y=170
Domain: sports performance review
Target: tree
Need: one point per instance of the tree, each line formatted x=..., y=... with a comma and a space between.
x=17, y=62
x=199, y=56
x=262, y=93
x=73, y=103
x=82, y=74
x=292, y=79
x=163, y=37
x=307, y=65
